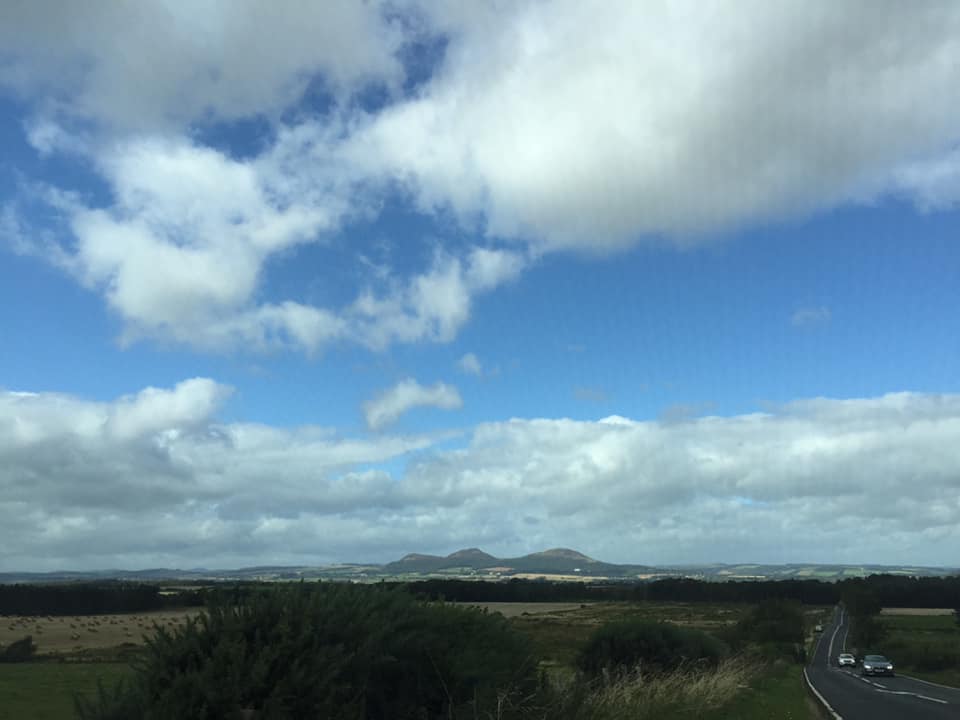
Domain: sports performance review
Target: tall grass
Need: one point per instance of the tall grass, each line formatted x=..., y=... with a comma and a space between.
x=642, y=695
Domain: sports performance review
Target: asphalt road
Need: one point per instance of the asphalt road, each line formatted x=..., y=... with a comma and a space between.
x=852, y=697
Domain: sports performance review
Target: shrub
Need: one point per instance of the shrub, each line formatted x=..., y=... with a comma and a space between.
x=931, y=654
x=328, y=651
x=621, y=646
x=20, y=650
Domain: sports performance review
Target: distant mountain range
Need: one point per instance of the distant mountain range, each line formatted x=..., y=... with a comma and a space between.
x=558, y=561
x=473, y=563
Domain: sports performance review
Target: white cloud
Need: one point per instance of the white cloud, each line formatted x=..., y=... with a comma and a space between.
x=811, y=316
x=154, y=478
x=433, y=305
x=181, y=253
x=470, y=364
x=557, y=125
x=934, y=184
x=153, y=65
x=406, y=395
x=593, y=126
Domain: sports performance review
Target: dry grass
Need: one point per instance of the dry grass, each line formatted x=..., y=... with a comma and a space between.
x=76, y=633
x=929, y=612
x=687, y=691
x=517, y=609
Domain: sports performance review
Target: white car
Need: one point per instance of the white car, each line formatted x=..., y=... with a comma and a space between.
x=846, y=659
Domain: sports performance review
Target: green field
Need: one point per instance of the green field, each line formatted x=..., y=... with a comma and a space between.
x=558, y=636
x=45, y=690
x=924, y=646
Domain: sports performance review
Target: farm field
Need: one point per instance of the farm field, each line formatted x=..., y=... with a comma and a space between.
x=557, y=630
x=73, y=634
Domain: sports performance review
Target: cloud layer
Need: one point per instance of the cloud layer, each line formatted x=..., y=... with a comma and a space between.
x=155, y=479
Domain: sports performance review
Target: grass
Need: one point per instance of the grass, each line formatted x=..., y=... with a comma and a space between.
x=925, y=646
x=777, y=692
x=45, y=690
x=558, y=632
x=68, y=634
x=739, y=691
x=683, y=693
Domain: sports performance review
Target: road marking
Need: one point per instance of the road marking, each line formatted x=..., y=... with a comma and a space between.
x=834, y=636
x=927, y=682
x=916, y=695
x=821, y=698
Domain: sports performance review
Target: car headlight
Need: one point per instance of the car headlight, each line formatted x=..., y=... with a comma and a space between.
x=867, y=667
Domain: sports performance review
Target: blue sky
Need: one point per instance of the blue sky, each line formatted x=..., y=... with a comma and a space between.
x=344, y=284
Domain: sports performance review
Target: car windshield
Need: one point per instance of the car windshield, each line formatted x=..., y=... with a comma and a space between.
x=876, y=658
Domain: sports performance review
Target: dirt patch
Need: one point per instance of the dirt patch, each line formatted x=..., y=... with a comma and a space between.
x=930, y=612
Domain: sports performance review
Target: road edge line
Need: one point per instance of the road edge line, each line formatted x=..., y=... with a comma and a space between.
x=927, y=682
x=821, y=698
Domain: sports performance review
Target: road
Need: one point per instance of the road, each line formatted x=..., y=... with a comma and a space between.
x=852, y=697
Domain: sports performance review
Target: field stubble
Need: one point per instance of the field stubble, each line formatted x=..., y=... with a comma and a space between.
x=66, y=635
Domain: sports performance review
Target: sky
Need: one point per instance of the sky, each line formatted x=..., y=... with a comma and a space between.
x=301, y=283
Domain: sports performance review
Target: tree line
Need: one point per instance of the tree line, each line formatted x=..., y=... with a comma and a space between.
x=98, y=598
x=123, y=597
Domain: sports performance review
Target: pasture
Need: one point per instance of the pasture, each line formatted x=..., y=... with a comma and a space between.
x=76, y=634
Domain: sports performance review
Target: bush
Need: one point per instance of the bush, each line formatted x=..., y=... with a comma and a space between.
x=774, y=621
x=328, y=651
x=19, y=651
x=773, y=629
x=621, y=646
x=930, y=655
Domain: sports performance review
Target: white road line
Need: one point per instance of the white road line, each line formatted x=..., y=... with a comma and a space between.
x=916, y=695
x=927, y=682
x=834, y=636
x=821, y=698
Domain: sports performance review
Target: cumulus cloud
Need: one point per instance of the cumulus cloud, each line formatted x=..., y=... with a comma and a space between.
x=154, y=478
x=406, y=395
x=181, y=252
x=596, y=125
x=154, y=65
x=546, y=125
x=144, y=477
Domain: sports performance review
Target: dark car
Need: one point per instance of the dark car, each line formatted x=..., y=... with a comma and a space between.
x=876, y=665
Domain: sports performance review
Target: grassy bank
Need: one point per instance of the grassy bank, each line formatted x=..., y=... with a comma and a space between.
x=777, y=692
x=44, y=690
